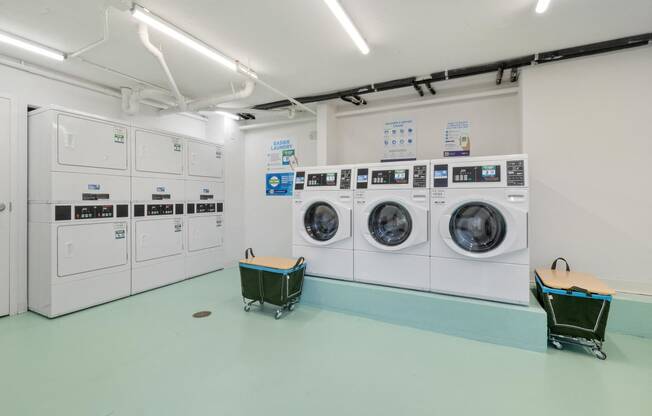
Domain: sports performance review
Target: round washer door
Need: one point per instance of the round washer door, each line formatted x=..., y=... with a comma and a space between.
x=321, y=221
x=390, y=223
x=477, y=227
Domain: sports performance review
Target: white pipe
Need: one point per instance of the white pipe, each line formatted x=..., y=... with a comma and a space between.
x=213, y=101
x=144, y=38
x=77, y=82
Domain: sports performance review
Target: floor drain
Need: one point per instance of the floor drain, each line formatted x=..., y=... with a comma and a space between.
x=201, y=314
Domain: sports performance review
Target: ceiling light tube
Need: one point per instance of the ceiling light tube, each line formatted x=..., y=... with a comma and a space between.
x=142, y=14
x=347, y=24
x=227, y=115
x=33, y=47
x=542, y=6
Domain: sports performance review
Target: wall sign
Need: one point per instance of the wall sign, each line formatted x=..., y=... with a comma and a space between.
x=281, y=153
x=279, y=184
x=399, y=140
x=457, y=138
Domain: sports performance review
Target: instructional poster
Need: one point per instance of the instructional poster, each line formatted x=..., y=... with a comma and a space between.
x=281, y=153
x=279, y=184
x=400, y=140
x=457, y=138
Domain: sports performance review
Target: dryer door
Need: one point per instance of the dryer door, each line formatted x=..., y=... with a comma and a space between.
x=482, y=229
x=325, y=222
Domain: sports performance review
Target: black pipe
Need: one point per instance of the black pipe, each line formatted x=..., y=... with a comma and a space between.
x=513, y=63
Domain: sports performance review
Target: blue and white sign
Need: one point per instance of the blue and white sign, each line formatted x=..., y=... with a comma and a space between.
x=279, y=184
x=400, y=140
x=281, y=153
x=457, y=138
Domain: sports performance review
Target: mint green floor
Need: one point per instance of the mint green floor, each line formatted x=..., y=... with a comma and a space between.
x=146, y=355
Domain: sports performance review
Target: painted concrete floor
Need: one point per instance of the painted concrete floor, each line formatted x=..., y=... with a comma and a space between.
x=146, y=355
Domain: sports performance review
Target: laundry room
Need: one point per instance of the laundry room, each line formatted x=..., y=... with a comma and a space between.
x=195, y=195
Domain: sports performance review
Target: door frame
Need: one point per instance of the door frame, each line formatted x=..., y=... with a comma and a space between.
x=18, y=207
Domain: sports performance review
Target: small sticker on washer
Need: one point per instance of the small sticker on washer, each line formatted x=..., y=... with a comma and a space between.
x=160, y=189
x=93, y=186
x=218, y=154
x=119, y=234
x=177, y=226
x=177, y=146
x=119, y=135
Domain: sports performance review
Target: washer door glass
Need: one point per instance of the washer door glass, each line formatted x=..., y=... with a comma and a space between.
x=390, y=224
x=321, y=221
x=477, y=227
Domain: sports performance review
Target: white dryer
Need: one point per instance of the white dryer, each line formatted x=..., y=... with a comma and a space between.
x=479, y=219
x=205, y=227
x=391, y=244
x=322, y=220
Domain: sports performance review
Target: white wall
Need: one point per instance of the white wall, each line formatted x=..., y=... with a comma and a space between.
x=495, y=129
x=226, y=132
x=32, y=90
x=268, y=220
x=587, y=126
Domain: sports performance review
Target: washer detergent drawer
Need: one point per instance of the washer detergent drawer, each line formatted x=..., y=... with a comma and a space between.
x=205, y=159
x=91, y=143
x=158, y=238
x=204, y=233
x=89, y=247
x=158, y=153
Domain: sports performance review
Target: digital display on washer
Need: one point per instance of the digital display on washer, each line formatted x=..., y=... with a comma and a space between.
x=484, y=173
x=440, y=176
x=390, y=177
x=322, y=179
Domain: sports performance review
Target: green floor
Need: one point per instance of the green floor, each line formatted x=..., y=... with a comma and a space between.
x=146, y=355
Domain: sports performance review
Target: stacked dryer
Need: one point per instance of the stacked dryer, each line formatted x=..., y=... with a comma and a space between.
x=158, y=201
x=204, y=188
x=391, y=245
x=79, y=233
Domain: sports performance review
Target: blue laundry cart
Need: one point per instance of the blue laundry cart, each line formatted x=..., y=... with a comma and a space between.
x=577, y=305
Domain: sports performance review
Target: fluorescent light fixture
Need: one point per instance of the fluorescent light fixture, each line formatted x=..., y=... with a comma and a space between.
x=28, y=45
x=348, y=25
x=542, y=6
x=247, y=71
x=228, y=115
x=142, y=14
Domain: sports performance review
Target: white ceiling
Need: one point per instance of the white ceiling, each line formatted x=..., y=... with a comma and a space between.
x=298, y=46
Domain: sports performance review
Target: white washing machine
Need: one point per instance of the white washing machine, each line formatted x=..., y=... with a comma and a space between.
x=391, y=244
x=205, y=227
x=158, y=236
x=479, y=219
x=322, y=220
x=158, y=154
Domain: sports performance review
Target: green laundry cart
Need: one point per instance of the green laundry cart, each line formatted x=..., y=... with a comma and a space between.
x=274, y=280
x=577, y=305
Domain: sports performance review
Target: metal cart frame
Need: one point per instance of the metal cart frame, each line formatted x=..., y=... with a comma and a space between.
x=291, y=299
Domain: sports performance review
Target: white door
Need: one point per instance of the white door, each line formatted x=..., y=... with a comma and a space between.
x=158, y=153
x=205, y=159
x=91, y=143
x=158, y=238
x=90, y=247
x=5, y=192
x=204, y=232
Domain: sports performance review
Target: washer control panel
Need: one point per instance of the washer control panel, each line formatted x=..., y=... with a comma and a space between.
x=515, y=173
x=345, y=179
x=90, y=212
x=420, y=179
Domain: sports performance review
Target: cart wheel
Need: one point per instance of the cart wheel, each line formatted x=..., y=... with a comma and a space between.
x=601, y=355
x=247, y=308
x=557, y=344
x=291, y=307
x=278, y=315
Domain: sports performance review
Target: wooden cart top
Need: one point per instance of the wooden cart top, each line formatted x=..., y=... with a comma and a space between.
x=281, y=263
x=561, y=279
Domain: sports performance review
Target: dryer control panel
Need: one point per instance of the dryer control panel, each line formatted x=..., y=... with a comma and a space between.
x=90, y=212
